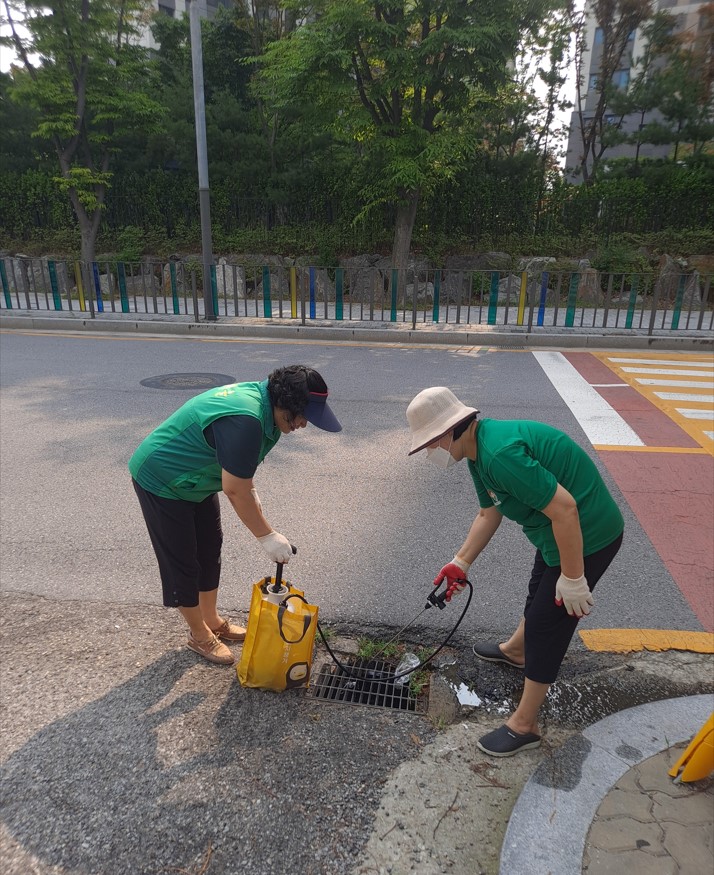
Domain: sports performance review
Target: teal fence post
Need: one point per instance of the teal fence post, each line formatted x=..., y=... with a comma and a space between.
x=678, y=302
x=572, y=300
x=437, y=287
x=395, y=284
x=122, y=288
x=632, y=303
x=174, y=287
x=5, y=286
x=97, y=287
x=311, y=273
x=339, y=280
x=543, y=295
x=56, y=298
x=267, y=304
x=493, y=298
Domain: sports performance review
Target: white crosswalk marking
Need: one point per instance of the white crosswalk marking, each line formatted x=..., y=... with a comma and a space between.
x=672, y=372
x=661, y=362
x=685, y=396
x=654, y=376
x=687, y=384
x=601, y=423
x=692, y=413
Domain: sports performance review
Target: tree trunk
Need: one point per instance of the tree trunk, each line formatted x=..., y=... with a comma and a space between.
x=406, y=214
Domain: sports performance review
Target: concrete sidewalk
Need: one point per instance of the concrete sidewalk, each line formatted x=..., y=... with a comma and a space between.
x=327, y=331
x=123, y=753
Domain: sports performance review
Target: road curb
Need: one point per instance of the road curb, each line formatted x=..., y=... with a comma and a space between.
x=377, y=333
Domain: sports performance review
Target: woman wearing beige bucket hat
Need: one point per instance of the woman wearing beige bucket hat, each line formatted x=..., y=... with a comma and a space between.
x=537, y=476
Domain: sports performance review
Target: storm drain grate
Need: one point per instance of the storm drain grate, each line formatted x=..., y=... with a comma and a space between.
x=365, y=682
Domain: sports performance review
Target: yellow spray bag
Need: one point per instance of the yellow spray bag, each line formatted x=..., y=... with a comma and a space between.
x=279, y=641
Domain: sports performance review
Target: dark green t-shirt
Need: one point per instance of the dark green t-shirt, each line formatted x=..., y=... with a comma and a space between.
x=519, y=464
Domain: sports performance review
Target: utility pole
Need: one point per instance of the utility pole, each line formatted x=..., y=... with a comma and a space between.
x=204, y=197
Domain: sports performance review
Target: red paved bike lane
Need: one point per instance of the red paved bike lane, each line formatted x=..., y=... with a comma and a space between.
x=668, y=483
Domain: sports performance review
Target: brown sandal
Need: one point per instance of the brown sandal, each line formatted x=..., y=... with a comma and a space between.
x=228, y=632
x=212, y=650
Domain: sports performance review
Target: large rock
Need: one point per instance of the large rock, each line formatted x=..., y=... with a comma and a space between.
x=589, y=289
x=667, y=284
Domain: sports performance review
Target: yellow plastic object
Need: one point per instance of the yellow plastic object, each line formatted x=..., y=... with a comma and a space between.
x=697, y=761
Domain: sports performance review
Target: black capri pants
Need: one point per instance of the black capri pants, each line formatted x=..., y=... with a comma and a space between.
x=187, y=538
x=549, y=628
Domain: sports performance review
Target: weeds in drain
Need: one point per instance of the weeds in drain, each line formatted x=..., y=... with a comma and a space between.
x=418, y=681
x=328, y=632
x=368, y=649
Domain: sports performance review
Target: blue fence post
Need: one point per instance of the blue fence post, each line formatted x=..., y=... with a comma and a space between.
x=543, y=295
x=5, y=285
x=311, y=273
x=493, y=298
x=572, y=300
x=97, y=287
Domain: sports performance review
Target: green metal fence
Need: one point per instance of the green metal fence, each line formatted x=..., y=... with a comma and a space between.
x=528, y=300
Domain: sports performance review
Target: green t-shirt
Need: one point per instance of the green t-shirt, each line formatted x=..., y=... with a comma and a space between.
x=176, y=460
x=519, y=464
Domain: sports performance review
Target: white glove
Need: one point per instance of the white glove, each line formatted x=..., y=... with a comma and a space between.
x=575, y=595
x=277, y=547
x=464, y=566
x=256, y=498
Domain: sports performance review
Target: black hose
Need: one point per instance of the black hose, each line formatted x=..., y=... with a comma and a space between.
x=448, y=638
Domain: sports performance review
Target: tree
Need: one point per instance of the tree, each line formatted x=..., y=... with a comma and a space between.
x=617, y=21
x=88, y=88
x=404, y=83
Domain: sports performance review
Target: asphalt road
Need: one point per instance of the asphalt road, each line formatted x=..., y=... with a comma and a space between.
x=372, y=526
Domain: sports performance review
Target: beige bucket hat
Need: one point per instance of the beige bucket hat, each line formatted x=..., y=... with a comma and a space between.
x=433, y=413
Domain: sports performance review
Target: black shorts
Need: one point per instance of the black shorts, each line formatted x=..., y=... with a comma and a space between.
x=187, y=538
x=549, y=628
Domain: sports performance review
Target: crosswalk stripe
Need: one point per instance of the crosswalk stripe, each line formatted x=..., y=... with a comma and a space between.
x=677, y=362
x=688, y=384
x=671, y=372
x=692, y=413
x=685, y=396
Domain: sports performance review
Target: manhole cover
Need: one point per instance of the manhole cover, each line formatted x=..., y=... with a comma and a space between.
x=366, y=682
x=187, y=381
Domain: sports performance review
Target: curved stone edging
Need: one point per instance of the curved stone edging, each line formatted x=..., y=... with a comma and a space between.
x=551, y=819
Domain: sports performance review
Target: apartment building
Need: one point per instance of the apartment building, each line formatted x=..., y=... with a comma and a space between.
x=688, y=19
x=176, y=8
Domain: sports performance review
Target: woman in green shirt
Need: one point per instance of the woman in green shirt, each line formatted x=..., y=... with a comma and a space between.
x=212, y=444
x=537, y=476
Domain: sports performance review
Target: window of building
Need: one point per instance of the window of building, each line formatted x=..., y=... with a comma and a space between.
x=621, y=79
x=598, y=36
x=166, y=10
x=592, y=82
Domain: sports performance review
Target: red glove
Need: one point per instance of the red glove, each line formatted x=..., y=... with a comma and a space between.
x=454, y=573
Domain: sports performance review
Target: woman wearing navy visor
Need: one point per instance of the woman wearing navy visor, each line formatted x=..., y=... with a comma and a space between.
x=537, y=476
x=214, y=443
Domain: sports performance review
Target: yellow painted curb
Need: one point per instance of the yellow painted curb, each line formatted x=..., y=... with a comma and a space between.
x=628, y=640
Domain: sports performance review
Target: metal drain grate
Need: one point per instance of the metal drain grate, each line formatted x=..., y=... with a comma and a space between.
x=366, y=682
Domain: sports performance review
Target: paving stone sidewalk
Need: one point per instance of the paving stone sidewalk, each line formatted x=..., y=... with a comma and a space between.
x=648, y=825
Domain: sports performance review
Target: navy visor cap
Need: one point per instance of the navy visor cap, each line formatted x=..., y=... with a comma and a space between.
x=318, y=413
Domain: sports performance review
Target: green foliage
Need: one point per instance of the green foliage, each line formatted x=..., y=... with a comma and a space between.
x=130, y=244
